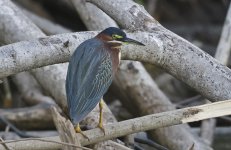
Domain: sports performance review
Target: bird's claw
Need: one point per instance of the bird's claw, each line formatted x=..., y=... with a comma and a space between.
x=100, y=126
x=78, y=130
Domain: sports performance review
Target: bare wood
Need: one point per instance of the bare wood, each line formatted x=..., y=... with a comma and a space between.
x=36, y=117
x=142, y=97
x=66, y=130
x=163, y=48
x=93, y=17
x=10, y=135
x=222, y=55
x=30, y=89
x=172, y=50
x=47, y=26
x=149, y=122
x=224, y=45
x=5, y=146
x=208, y=128
x=145, y=95
x=50, y=77
x=41, y=47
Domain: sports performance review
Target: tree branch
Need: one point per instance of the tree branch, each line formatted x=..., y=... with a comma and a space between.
x=149, y=122
x=222, y=55
x=176, y=55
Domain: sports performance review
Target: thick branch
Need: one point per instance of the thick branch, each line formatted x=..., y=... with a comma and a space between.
x=176, y=55
x=149, y=122
x=182, y=60
x=30, y=89
x=222, y=55
x=37, y=117
x=141, y=96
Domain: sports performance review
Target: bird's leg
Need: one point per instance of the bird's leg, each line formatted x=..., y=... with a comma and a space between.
x=78, y=130
x=100, y=125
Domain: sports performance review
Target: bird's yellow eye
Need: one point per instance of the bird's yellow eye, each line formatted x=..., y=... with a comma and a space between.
x=116, y=36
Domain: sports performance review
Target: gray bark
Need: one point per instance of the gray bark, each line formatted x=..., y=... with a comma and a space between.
x=176, y=55
x=224, y=46
x=30, y=89
x=148, y=122
x=37, y=117
x=222, y=55
x=142, y=96
x=189, y=64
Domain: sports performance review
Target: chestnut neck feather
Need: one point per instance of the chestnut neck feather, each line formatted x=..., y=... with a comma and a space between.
x=113, y=47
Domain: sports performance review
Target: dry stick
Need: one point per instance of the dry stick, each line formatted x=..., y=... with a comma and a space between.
x=65, y=129
x=47, y=141
x=4, y=144
x=149, y=122
x=222, y=55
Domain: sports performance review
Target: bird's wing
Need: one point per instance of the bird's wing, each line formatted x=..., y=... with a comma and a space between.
x=88, y=78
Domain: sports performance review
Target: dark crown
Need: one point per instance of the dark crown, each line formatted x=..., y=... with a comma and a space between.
x=112, y=31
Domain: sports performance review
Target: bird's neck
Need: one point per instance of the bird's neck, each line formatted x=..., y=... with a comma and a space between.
x=114, y=50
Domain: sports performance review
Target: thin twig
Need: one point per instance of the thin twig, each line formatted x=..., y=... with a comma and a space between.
x=15, y=129
x=45, y=140
x=145, y=123
x=4, y=144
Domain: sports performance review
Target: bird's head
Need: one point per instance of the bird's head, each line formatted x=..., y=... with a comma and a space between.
x=116, y=36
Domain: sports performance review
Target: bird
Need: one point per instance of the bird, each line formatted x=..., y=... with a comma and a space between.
x=90, y=73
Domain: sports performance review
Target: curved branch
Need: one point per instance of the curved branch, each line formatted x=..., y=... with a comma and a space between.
x=149, y=122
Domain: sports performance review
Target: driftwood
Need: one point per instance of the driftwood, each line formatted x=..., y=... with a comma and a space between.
x=36, y=117
x=65, y=129
x=222, y=55
x=30, y=89
x=149, y=122
x=67, y=45
x=141, y=96
x=90, y=16
x=59, y=47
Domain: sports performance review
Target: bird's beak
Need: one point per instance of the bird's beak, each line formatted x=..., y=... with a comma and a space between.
x=131, y=41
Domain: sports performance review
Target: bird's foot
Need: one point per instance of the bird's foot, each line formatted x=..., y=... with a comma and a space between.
x=78, y=130
x=100, y=126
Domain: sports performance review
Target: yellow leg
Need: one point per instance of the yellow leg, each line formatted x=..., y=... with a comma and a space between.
x=100, y=125
x=78, y=130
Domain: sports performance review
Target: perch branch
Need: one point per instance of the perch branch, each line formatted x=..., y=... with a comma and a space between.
x=149, y=122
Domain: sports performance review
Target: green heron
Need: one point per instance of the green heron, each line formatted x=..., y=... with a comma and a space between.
x=90, y=73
